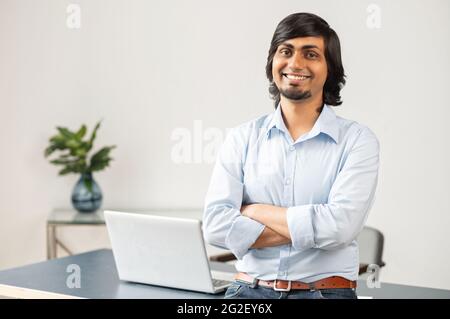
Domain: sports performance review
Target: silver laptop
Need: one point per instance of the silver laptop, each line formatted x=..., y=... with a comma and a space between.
x=162, y=251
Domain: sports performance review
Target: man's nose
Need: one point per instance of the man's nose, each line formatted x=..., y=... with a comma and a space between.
x=297, y=62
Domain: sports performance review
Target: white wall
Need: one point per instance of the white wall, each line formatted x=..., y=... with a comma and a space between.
x=150, y=67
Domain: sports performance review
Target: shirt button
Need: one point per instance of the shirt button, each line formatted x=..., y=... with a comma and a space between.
x=292, y=148
x=288, y=181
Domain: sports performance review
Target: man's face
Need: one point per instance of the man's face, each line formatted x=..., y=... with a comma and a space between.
x=299, y=68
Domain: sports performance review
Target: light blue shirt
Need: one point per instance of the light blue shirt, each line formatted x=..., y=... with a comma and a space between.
x=326, y=178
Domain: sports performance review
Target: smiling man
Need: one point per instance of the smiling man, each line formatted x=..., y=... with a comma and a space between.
x=291, y=190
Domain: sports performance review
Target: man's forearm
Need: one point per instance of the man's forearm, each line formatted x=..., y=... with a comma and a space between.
x=273, y=217
x=270, y=238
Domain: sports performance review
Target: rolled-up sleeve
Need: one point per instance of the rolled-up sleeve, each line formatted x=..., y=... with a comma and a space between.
x=337, y=223
x=223, y=224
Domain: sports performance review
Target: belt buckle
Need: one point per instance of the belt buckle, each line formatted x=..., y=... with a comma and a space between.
x=281, y=289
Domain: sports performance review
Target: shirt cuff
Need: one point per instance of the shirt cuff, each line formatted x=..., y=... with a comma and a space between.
x=300, y=225
x=242, y=235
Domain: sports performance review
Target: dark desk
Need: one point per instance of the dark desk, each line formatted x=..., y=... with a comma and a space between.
x=99, y=279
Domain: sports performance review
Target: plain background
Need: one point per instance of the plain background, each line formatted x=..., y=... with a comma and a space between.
x=148, y=68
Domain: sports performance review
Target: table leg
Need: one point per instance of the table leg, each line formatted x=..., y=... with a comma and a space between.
x=51, y=241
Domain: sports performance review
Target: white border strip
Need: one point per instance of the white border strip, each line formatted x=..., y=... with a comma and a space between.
x=26, y=293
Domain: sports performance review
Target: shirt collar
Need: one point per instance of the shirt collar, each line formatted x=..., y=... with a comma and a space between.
x=277, y=121
x=326, y=123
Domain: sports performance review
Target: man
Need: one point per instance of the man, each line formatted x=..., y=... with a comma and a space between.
x=291, y=190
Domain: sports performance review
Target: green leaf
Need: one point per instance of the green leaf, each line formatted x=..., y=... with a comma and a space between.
x=80, y=152
x=57, y=142
x=67, y=170
x=93, y=135
x=49, y=150
x=98, y=166
x=72, y=144
x=58, y=139
x=63, y=161
x=102, y=153
x=100, y=159
x=81, y=132
x=65, y=132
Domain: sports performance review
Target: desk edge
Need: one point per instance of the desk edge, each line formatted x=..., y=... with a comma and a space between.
x=27, y=293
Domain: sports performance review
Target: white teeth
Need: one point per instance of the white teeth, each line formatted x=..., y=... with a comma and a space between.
x=295, y=77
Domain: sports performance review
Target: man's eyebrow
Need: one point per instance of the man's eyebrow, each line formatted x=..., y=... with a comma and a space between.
x=304, y=47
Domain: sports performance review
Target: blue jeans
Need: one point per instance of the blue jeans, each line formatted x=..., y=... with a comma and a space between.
x=239, y=290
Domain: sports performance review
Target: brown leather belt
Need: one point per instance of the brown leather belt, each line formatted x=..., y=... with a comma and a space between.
x=285, y=285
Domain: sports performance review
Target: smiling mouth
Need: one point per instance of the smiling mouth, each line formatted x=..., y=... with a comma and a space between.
x=292, y=76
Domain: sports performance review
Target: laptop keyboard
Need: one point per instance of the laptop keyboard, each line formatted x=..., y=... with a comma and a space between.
x=219, y=283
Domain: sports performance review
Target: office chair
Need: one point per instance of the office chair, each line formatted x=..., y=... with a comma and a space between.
x=370, y=242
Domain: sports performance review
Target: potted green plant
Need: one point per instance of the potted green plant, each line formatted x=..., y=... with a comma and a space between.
x=74, y=158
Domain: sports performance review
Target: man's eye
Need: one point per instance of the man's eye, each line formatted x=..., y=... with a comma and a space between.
x=285, y=52
x=312, y=55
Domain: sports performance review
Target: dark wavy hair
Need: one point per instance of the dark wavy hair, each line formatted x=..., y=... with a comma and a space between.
x=310, y=25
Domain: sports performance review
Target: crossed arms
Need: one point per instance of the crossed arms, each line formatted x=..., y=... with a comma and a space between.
x=276, y=231
x=328, y=226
